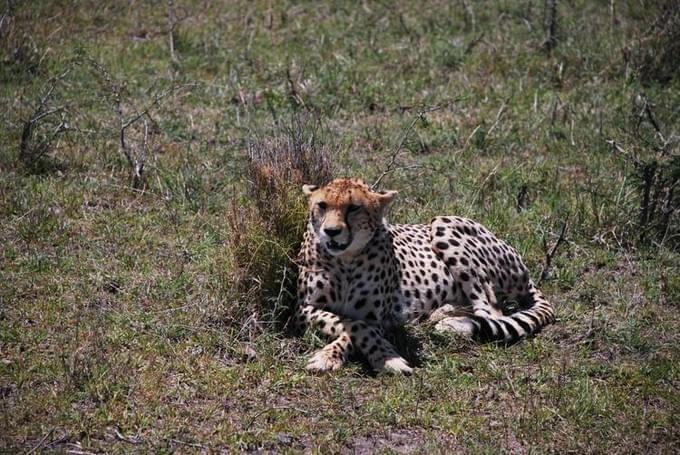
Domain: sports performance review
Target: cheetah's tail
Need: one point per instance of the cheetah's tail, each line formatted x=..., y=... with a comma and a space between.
x=536, y=314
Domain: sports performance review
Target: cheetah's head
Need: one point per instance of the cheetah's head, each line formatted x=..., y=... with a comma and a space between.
x=345, y=214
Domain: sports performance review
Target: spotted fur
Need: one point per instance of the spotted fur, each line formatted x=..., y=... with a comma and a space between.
x=361, y=276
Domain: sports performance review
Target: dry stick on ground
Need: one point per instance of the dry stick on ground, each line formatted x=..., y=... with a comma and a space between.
x=472, y=44
x=392, y=164
x=121, y=437
x=550, y=254
x=42, y=441
x=191, y=444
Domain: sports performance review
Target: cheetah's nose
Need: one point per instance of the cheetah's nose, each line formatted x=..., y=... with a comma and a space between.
x=332, y=232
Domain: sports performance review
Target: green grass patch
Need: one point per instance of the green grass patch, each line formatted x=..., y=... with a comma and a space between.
x=148, y=314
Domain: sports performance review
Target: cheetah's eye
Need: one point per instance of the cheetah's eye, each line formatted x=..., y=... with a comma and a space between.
x=322, y=205
x=353, y=208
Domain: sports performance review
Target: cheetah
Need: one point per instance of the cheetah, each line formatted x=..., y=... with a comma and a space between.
x=361, y=277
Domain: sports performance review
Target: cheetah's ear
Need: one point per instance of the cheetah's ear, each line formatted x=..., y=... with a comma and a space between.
x=385, y=197
x=309, y=189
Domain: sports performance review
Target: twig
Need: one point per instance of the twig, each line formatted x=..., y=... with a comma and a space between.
x=647, y=112
x=393, y=157
x=190, y=444
x=157, y=99
x=42, y=441
x=551, y=41
x=172, y=21
x=121, y=437
x=521, y=198
x=473, y=44
x=273, y=408
x=40, y=113
x=550, y=254
x=481, y=186
x=636, y=161
x=498, y=116
x=137, y=163
x=467, y=141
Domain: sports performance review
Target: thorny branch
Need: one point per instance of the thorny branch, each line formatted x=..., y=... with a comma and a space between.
x=138, y=162
x=39, y=113
x=657, y=176
x=646, y=111
x=136, y=159
x=392, y=164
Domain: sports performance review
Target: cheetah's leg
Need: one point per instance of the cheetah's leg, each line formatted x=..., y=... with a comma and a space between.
x=484, y=320
x=332, y=356
x=348, y=334
x=449, y=318
x=479, y=293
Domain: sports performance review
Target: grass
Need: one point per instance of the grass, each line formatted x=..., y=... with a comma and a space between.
x=142, y=317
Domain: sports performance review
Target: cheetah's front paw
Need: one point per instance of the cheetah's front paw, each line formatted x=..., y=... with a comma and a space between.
x=396, y=365
x=323, y=361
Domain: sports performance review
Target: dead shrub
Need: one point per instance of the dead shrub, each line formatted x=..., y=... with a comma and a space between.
x=655, y=158
x=46, y=124
x=654, y=54
x=21, y=55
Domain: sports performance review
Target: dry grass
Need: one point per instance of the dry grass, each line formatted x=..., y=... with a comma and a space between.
x=266, y=226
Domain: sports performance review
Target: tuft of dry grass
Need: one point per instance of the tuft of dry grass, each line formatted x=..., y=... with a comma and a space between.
x=281, y=162
x=266, y=228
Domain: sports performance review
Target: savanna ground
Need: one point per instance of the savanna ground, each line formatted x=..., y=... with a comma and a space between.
x=143, y=297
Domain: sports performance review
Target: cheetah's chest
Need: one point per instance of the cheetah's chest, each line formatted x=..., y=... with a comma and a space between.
x=397, y=279
x=363, y=288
